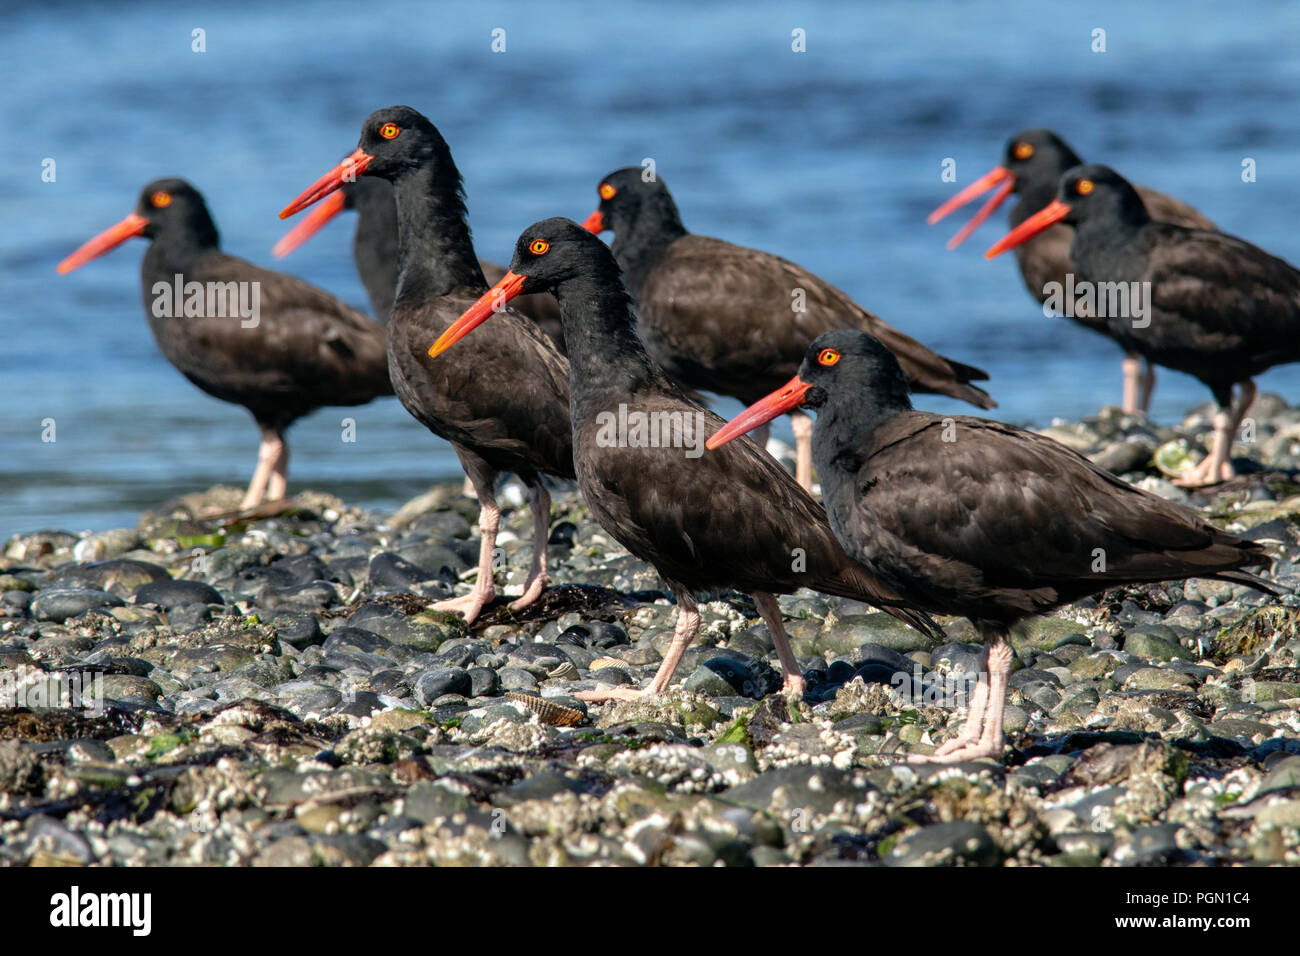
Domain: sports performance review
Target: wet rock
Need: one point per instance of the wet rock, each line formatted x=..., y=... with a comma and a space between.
x=60, y=604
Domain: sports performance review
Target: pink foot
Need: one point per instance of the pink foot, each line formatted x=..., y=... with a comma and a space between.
x=469, y=605
x=531, y=593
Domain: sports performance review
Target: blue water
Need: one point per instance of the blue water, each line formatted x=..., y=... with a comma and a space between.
x=830, y=157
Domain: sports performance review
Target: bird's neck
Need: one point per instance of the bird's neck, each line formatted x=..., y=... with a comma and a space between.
x=1034, y=194
x=375, y=252
x=845, y=432
x=1105, y=248
x=640, y=242
x=435, y=250
x=607, y=361
x=177, y=250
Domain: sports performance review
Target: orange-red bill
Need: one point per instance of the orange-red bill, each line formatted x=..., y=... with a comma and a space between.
x=112, y=237
x=986, y=210
x=978, y=188
x=490, y=302
x=594, y=223
x=345, y=172
x=1049, y=215
x=310, y=225
x=787, y=397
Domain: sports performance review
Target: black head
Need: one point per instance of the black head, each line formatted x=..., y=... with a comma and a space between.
x=852, y=381
x=554, y=251
x=1036, y=156
x=849, y=366
x=630, y=197
x=398, y=139
x=169, y=209
x=1098, y=193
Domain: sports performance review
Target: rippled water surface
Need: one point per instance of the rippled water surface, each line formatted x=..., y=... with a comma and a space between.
x=830, y=157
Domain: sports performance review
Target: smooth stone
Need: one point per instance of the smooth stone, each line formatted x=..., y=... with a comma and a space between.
x=168, y=594
x=440, y=681
x=59, y=604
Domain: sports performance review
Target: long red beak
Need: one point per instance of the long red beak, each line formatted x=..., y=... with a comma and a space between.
x=112, y=237
x=995, y=176
x=310, y=225
x=1049, y=215
x=345, y=172
x=788, y=396
x=490, y=302
x=595, y=223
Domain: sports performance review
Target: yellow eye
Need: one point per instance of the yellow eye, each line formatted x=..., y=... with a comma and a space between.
x=161, y=198
x=1084, y=186
x=389, y=131
x=828, y=357
x=1022, y=151
x=538, y=246
x=607, y=191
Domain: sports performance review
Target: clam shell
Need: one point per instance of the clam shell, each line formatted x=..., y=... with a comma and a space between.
x=603, y=662
x=564, y=671
x=557, y=715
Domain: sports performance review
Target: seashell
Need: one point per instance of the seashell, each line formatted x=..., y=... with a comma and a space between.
x=564, y=671
x=548, y=712
x=602, y=662
x=1173, y=459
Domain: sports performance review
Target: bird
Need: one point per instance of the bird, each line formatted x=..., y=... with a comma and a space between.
x=1195, y=300
x=503, y=408
x=972, y=517
x=735, y=321
x=733, y=521
x=374, y=250
x=265, y=340
x=1034, y=161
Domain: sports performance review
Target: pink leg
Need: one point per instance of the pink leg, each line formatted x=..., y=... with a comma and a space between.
x=537, y=577
x=489, y=519
x=803, y=429
x=770, y=611
x=1132, y=372
x=1217, y=465
x=279, y=483
x=991, y=739
x=268, y=454
x=688, y=623
x=972, y=729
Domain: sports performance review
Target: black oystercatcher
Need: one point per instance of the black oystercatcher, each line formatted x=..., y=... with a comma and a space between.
x=722, y=318
x=1034, y=163
x=1194, y=300
x=707, y=523
x=374, y=250
x=505, y=408
x=265, y=340
x=967, y=516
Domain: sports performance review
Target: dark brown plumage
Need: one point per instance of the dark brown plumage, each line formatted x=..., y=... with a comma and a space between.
x=1034, y=161
x=723, y=318
x=304, y=349
x=706, y=522
x=505, y=406
x=967, y=516
x=1218, y=307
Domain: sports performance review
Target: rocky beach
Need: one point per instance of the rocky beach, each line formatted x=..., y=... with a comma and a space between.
x=273, y=689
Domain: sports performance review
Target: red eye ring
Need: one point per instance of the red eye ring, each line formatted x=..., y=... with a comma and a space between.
x=538, y=246
x=828, y=357
x=389, y=131
x=607, y=191
x=161, y=199
x=1023, y=150
x=1084, y=186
